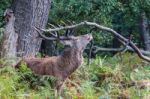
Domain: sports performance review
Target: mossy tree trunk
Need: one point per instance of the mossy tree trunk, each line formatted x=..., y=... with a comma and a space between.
x=9, y=40
x=30, y=13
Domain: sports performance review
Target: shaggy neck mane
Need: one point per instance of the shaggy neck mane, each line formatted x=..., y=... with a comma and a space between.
x=72, y=59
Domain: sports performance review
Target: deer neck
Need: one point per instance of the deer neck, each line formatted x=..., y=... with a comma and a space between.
x=72, y=59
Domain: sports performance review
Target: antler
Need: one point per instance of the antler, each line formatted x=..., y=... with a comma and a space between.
x=55, y=36
x=71, y=31
x=117, y=35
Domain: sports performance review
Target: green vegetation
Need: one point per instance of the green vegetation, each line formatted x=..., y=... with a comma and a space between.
x=104, y=78
x=121, y=15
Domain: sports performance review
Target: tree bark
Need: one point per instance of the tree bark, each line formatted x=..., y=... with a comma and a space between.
x=30, y=13
x=9, y=41
x=145, y=31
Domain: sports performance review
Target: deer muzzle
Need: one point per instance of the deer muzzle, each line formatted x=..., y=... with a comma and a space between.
x=90, y=37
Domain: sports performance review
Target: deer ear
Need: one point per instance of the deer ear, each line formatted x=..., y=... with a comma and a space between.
x=67, y=42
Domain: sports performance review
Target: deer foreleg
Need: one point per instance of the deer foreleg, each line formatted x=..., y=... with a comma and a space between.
x=58, y=89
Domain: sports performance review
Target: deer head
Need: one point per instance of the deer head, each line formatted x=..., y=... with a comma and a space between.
x=78, y=42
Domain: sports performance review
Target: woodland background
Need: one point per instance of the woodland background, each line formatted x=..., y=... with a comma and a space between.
x=109, y=76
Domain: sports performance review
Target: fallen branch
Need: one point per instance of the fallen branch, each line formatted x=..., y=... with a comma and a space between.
x=117, y=35
x=107, y=49
x=147, y=53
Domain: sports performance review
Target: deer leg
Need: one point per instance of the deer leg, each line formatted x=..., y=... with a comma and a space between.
x=58, y=89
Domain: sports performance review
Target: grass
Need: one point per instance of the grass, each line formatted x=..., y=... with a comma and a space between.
x=108, y=78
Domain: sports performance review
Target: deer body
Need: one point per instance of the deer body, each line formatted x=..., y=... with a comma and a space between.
x=63, y=65
x=58, y=66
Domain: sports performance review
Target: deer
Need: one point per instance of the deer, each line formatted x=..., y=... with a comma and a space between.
x=61, y=66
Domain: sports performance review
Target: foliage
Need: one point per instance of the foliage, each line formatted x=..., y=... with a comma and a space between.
x=3, y=5
x=122, y=15
x=23, y=83
x=104, y=78
x=111, y=77
x=108, y=77
x=74, y=10
x=80, y=10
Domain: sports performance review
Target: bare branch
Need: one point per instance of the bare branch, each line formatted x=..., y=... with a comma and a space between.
x=147, y=53
x=89, y=55
x=117, y=35
x=62, y=28
x=108, y=49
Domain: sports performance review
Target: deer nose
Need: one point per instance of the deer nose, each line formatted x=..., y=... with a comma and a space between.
x=90, y=36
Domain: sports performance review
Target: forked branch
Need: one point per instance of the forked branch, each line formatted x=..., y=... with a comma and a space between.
x=117, y=35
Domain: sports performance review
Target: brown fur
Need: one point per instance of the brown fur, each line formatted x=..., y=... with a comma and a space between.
x=63, y=65
x=60, y=66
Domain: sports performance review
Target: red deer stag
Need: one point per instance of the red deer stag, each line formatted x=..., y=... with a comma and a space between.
x=63, y=65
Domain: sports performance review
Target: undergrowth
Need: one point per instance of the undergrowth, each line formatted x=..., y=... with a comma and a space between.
x=105, y=78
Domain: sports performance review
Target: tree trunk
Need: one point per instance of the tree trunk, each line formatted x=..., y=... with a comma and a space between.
x=144, y=31
x=30, y=13
x=9, y=41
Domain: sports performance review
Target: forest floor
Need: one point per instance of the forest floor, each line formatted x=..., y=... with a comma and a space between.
x=123, y=76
